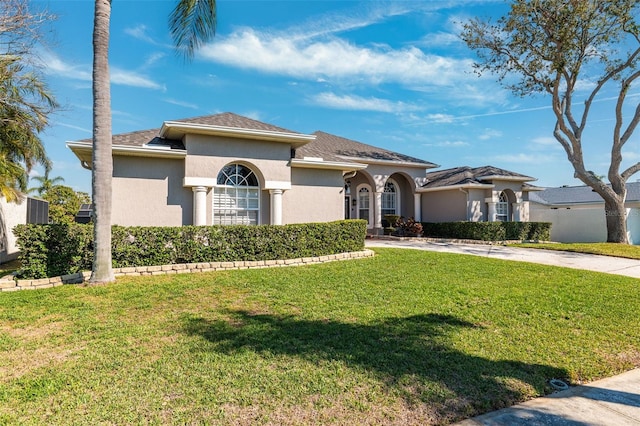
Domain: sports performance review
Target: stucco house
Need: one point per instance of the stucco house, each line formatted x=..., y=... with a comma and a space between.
x=577, y=213
x=229, y=169
x=29, y=210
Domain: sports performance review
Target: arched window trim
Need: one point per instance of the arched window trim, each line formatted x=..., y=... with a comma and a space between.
x=502, y=207
x=390, y=205
x=365, y=210
x=236, y=197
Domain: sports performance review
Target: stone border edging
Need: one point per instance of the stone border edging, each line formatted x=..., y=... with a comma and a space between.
x=180, y=268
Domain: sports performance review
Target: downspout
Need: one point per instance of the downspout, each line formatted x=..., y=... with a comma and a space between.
x=467, y=194
x=349, y=175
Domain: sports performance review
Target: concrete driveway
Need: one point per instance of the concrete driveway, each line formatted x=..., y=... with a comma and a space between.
x=589, y=262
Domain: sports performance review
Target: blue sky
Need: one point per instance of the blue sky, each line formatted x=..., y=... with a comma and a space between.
x=392, y=74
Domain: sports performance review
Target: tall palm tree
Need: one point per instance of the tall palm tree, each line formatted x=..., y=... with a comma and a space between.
x=46, y=183
x=24, y=106
x=191, y=23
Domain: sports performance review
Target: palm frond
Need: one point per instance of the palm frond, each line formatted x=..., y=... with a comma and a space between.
x=192, y=23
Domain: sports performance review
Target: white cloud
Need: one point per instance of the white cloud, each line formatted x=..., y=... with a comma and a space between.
x=140, y=32
x=489, y=134
x=256, y=115
x=441, y=118
x=440, y=39
x=447, y=144
x=181, y=103
x=349, y=102
x=132, y=78
x=54, y=65
x=152, y=59
x=71, y=126
x=333, y=58
x=524, y=158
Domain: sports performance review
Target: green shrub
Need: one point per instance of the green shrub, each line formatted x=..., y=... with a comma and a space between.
x=50, y=250
x=488, y=231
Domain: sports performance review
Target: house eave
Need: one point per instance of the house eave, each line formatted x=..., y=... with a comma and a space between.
x=533, y=188
x=84, y=151
x=507, y=178
x=462, y=186
x=177, y=130
x=326, y=165
x=390, y=162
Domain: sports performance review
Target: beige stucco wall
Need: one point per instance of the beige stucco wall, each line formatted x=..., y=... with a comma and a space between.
x=11, y=214
x=477, y=206
x=315, y=196
x=573, y=225
x=207, y=155
x=381, y=173
x=444, y=206
x=583, y=223
x=149, y=192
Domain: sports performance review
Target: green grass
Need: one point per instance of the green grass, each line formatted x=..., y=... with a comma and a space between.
x=406, y=337
x=606, y=249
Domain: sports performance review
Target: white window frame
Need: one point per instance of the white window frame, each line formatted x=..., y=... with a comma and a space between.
x=238, y=202
x=390, y=197
x=365, y=189
x=502, y=207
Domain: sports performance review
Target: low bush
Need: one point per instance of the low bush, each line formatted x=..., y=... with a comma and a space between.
x=51, y=250
x=489, y=231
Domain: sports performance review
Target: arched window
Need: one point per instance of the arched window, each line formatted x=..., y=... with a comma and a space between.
x=389, y=199
x=502, y=208
x=236, y=199
x=363, y=203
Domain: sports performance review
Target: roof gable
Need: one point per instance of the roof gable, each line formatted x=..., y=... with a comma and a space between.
x=466, y=175
x=229, y=119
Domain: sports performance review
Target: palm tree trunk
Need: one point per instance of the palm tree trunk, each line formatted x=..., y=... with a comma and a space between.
x=102, y=169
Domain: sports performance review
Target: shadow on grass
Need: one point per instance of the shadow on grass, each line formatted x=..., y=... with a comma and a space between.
x=412, y=356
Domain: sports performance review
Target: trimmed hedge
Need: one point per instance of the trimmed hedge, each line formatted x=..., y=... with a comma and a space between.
x=489, y=231
x=53, y=250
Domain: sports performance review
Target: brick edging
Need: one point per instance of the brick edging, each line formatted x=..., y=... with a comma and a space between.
x=180, y=268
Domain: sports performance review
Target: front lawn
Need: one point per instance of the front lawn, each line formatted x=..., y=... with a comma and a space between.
x=606, y=249
x=406, y=337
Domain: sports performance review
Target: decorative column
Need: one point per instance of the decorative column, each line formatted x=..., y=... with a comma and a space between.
x=276, y=206
x=417, y=207
x=516, y=208
x=199, y=205
x=491, y=216
x=377, y=211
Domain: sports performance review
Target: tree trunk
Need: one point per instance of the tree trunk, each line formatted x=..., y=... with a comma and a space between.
x=616, y=216
x=102, y=163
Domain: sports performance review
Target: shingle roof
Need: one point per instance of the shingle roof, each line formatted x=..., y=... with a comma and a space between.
x=335, y=148
x=226, y=119
x=467, y=175
x=579, y=195
x=229, y=119
x=327, y=146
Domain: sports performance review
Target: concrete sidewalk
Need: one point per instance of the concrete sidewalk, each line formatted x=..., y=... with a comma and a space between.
x=614, y=401
x=589, y=262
